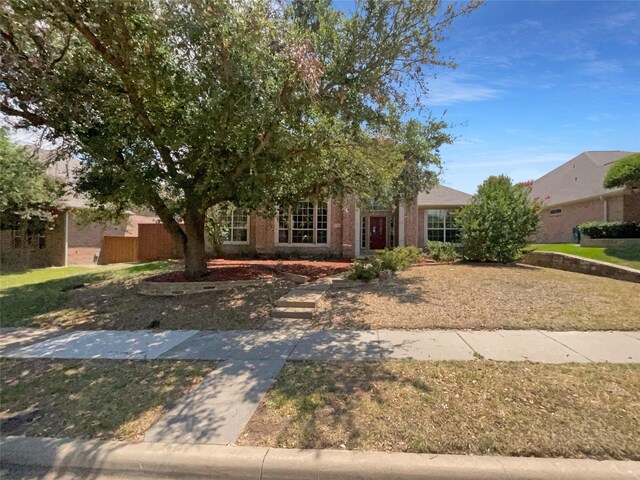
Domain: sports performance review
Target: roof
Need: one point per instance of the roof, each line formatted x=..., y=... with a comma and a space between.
x=443, y=197
x=63, y=169
x=578, y=179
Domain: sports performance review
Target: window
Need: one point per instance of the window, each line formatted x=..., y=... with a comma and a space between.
x=236, y=226
x=555, y=211
x=305, y=223
x=441, y=226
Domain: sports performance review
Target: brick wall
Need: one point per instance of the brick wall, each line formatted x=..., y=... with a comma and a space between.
x=631, y=206
x=559, y=228
x=51, y=255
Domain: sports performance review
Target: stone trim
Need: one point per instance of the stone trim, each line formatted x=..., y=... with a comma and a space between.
x=572, y=263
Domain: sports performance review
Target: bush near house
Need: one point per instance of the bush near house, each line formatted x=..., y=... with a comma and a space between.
x=496, y=225
x=624, y=173
x=441, y=251
x=399, y=258
x=610, y=229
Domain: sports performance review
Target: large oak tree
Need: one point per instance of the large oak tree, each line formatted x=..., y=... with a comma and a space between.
x=182, y=105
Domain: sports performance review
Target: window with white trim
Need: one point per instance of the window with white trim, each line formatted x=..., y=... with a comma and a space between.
x=441, y=226
x=235, y=224
x=305, y=223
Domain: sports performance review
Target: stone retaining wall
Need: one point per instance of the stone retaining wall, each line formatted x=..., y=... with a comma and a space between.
x=572, y=263
x=185, y=288
x=586, y=241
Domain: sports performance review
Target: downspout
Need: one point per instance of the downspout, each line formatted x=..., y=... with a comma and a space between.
x=606, y=210
x=356, y=249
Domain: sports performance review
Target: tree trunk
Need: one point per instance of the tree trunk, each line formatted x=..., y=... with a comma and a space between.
x=195, y=257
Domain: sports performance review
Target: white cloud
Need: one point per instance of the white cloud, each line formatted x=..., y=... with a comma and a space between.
x=448, y=90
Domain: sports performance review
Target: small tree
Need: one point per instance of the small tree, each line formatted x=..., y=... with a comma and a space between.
x=496, y=225
x=27, y=196
x=624, y=173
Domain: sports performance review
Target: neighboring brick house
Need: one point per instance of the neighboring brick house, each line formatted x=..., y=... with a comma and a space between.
x=67, y=242
x=342, y=228
x=573, y=194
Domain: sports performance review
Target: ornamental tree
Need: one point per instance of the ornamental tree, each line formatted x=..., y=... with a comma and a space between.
x=498, y=222
x=624, y=173
x=183, y=105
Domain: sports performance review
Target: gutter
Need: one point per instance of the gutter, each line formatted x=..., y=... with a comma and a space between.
x=165, y=460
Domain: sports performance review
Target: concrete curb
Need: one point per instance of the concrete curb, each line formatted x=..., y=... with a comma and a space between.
x=162, y=460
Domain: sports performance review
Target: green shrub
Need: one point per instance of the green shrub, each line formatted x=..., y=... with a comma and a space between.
x=396, y=259
x=498, y=222
x=610, y=229
x=363, y=270
x=624, y=172
x=441, y=251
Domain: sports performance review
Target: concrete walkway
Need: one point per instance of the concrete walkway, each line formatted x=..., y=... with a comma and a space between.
x=346, y=345
x=218, y=410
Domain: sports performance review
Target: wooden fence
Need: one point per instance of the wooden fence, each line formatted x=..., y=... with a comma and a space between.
x=155, y=243
x=118, y=249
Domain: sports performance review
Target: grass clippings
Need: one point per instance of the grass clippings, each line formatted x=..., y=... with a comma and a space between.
x=480, y=408
x=481, y=296
x=100, y=399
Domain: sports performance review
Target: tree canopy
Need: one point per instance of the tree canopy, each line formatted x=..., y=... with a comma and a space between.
x=183, y=105
x=28, y=197
x=498, y=222
x=624, y=172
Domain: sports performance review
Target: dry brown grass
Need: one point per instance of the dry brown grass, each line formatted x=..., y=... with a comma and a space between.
x=103, y=399
x=479, y=407
x=116, y=305
x=486, y=297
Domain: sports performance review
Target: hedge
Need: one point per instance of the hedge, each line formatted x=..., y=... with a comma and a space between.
x=610, y=229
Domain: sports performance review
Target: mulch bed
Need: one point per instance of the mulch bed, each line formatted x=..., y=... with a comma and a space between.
x=228, y=270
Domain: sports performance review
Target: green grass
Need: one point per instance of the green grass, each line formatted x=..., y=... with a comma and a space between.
x=25, y=295
x=626, y=256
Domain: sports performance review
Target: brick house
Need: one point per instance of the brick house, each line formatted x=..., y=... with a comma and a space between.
x=68, y=242
x=342, y=228
x=573, y=194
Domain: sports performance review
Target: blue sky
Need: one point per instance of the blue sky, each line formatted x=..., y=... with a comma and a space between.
x=538, y=83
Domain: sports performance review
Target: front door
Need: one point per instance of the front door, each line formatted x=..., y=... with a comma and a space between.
x=377, y=233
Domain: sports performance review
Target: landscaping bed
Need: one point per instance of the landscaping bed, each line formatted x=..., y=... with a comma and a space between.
x=220, y=270
x=484, y=296
x=102, y=399
x=480, y=408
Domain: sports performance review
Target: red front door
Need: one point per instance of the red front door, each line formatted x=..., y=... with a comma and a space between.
x=377, y=233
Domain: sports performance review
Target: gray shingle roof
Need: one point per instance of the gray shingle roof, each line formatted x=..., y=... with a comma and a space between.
x=443, y=197
x=579, y=178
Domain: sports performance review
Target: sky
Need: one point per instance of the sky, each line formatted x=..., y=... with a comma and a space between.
x=537, y=83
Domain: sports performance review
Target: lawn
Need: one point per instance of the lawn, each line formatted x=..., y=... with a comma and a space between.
x=105, y=399
x=109, y=300
x=480, y=296
x=626, y=256
x=480, y=408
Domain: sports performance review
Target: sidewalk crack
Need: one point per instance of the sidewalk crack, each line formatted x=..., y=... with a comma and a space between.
x=262, y=464
x=565, y=346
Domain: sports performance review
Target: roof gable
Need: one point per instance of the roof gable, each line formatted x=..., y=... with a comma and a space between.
x=443, y=196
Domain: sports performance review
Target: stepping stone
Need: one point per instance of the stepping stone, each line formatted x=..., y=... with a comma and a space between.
x=239, y=344
x=117, y=345
x=217, y=411
x=427, y=345
x=343, y=345
x=12, y=338
x=297, y=299
x=613, y=347
x=519, y=345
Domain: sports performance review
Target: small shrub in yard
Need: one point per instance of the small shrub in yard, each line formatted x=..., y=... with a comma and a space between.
x=610, y=229
x=496, y=225
x=441, y=251
x=396, y=259
x=363, y=270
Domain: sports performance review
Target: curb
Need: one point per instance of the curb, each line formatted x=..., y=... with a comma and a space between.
x=165, y=460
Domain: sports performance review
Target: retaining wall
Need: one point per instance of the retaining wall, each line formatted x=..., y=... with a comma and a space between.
x=562, y=261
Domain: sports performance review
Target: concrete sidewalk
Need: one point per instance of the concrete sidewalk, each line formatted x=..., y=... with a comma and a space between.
x=98, y=459
x=347, y=345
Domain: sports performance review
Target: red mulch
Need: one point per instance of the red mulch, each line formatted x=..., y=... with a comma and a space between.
x=225, y=270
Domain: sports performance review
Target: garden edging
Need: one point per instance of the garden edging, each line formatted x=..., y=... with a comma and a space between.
x=146, y=287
